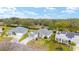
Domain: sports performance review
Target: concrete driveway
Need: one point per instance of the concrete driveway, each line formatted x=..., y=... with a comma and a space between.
x=25, y=41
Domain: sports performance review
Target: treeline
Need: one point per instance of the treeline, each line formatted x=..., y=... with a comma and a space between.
x=53, y=24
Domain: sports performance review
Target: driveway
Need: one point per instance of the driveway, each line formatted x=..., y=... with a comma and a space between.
x=16, y=38
x=25, y=41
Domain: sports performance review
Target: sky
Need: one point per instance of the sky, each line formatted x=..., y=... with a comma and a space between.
x=40, y=12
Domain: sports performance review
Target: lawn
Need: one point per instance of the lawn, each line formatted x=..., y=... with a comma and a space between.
x=38, y=44
x=23, y=37
x=50, y=45
x=26, y=35
x=4, y=34
x=56, y=46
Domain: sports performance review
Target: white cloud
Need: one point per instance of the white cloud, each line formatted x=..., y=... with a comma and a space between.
x=13, y=12
x=28, y=12
x=10, y=12
x=50, y=8
x=70, y=10
x=32, y=13
x=7, y=9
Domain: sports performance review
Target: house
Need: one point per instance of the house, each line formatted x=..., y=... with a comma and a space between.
x=34, y=34
x=1, y=23
x=1, y=31
x=17, y=33
x=44, y=33
x=66, y=37
x=41, y=33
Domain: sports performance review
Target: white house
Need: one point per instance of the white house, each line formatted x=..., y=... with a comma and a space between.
x=33, y=34
x=65, y=37
x=44, y=33
x=17, y=33
x=36, y=34
x=1, y=31
x=41, y=33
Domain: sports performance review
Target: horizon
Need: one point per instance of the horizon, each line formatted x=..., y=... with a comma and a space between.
x=40, y=12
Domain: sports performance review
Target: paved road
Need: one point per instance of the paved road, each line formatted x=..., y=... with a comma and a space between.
x=9, y=46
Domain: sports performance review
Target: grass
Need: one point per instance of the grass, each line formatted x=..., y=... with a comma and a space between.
x=26, y=35
x=4, y=34
x=37, y=44
x=50, y=45
x=55, y=46
x=23, y=37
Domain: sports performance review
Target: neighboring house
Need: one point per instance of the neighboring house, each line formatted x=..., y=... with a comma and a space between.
x=1, y=31
x=17, y=32
x=34, y=34
x=66, y=37
x=1, y=23
x=41, y=33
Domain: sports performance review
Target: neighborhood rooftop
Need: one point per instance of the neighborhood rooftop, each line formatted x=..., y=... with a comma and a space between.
x=69, y=34
x=45, y=31
x=19, y=30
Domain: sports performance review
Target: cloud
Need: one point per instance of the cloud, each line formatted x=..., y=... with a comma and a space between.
x=70, y=10
x=13, y=12
x=50, y=8
x=6, y=12
x=7, y=9
x=31, y=13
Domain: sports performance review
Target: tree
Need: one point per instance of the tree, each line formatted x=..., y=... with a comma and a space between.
x=14, y=33
x=45, y=37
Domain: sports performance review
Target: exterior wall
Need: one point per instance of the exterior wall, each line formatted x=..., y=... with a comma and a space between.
x=1, y=31
x=62, y=38
x=17, y=37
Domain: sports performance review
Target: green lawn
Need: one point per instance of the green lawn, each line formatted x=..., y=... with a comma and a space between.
x=4, y=34
x=50, y=45
x=26, y=35
x=23, y=37
x=37, y=44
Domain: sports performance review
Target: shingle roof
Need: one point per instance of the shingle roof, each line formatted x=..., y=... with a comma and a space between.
x=45, y=32
x=77, y=34
x=70, y=34
x=19, y=30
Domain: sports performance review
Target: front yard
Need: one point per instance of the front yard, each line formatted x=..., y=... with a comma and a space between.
x=26, y=35
x=48, y=45
x=38, y=44
x=4, y=34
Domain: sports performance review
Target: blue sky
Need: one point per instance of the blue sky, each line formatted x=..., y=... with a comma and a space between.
x=40, y=12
